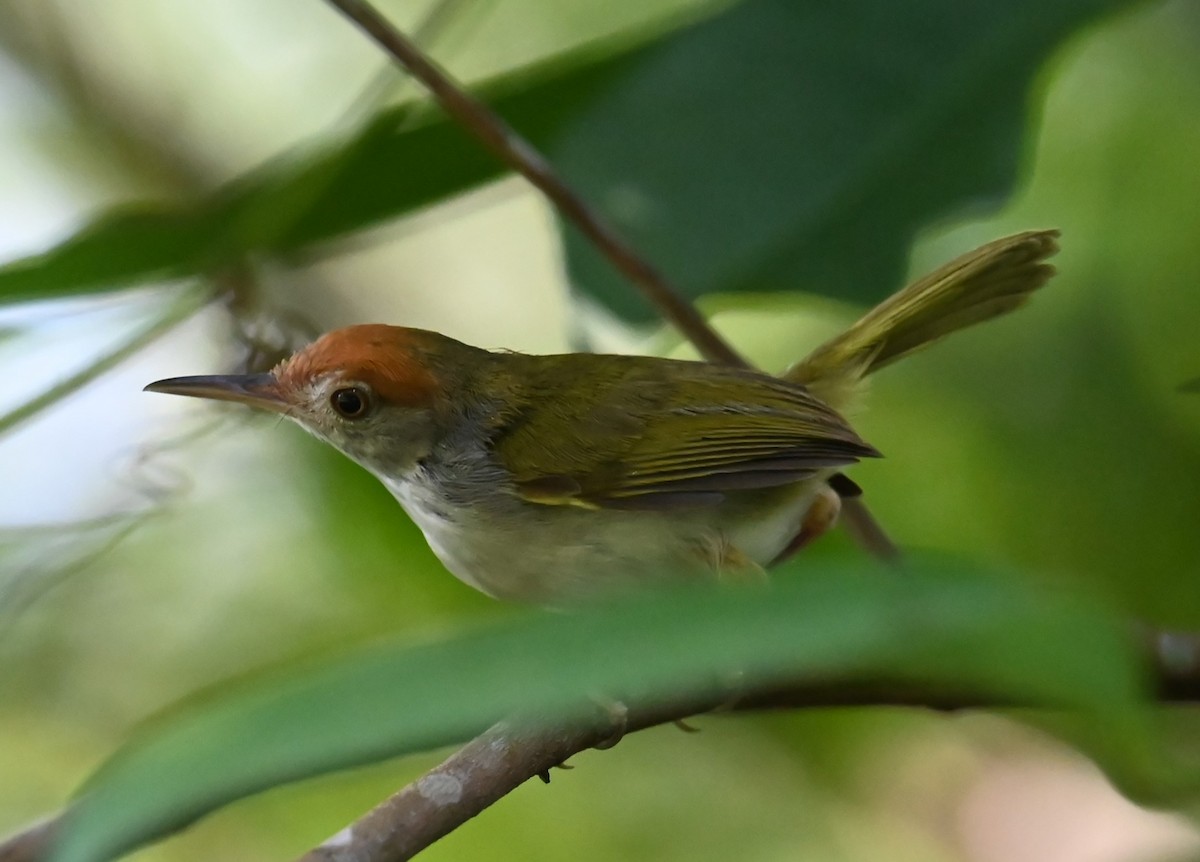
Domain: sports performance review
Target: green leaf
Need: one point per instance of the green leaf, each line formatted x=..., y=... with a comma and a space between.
x=778, y=145
x=397, y=164
x=800, y=146
x=968, y=631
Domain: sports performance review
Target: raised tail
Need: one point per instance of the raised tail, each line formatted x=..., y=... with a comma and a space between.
x=990, y=281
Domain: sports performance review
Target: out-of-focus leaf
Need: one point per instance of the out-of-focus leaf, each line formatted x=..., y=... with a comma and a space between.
x=968, y=631
x=397, y=164
x=1190, y=386
x=123, y=246
x=791, y=146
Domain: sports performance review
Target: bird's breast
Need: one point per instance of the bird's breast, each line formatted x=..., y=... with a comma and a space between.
x=512, y=549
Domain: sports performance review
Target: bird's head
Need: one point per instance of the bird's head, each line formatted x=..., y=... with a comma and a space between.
x=373, y=391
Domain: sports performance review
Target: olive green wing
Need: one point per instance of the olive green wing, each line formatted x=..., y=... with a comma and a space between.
x=650, y=434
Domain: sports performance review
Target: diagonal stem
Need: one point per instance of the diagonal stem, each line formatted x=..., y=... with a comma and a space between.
x=867, y=532
x=495, y=134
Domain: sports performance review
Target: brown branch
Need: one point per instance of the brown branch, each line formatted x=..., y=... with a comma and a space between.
x=519, y=154
x=507, y=755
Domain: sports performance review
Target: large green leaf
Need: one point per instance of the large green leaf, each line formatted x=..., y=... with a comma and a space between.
x=960, y=630
x=801, y=145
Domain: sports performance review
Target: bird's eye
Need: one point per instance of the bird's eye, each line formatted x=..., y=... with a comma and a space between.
x=353, y=402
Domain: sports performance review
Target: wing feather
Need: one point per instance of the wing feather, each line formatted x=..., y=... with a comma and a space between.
x=656, y=433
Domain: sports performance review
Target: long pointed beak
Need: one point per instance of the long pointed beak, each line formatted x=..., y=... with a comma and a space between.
x=255, y=390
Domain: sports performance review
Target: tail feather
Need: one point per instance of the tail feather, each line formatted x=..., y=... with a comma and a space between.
x=988, y=282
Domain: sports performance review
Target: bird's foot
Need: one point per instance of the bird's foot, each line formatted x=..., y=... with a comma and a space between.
x=822, y=514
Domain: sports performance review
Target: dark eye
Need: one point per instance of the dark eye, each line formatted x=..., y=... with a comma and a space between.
x=351, y=402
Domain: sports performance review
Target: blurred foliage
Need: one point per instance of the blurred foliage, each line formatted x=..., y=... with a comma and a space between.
x=1055, y=444
x=866, y=120
x=938, y=625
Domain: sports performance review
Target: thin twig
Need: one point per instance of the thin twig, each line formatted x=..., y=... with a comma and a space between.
x=176, y=313
x=495, y=134
x=856, y=519
x=385, y=84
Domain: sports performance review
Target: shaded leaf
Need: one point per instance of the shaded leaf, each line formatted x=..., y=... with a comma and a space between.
x=801, y=146
x=971, y=632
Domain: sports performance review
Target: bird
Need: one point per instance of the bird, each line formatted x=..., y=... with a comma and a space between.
x=562, y=479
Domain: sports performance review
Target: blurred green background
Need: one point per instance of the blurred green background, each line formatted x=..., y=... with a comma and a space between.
x=1056, y=442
